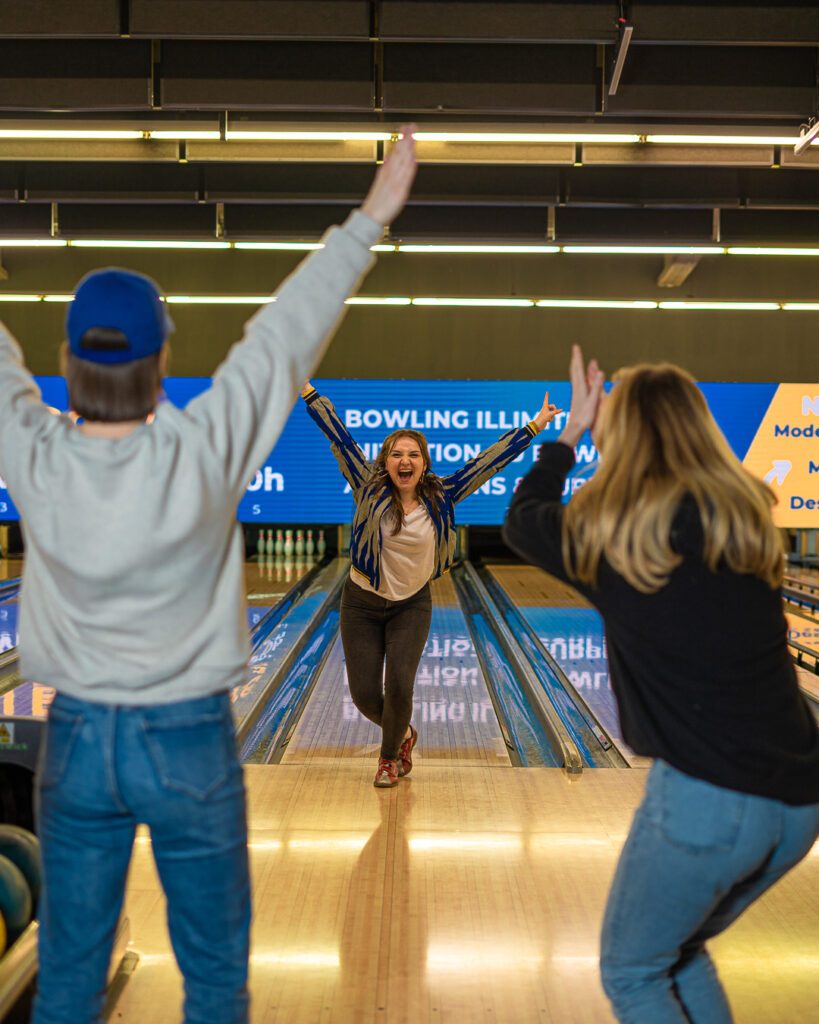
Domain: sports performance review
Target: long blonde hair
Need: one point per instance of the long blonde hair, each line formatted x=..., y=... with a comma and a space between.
x=660, y=443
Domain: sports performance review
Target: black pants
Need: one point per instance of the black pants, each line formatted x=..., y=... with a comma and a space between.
x=374, y=631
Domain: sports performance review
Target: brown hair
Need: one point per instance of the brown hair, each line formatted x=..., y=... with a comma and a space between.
x=112, y=392
x=429, y=486
x=658, y=444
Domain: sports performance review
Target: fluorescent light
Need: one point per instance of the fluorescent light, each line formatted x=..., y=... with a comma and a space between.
x=281, y=246
x=320, y=136
x=67, y=133
x=738, y=250
x=800, y=307
x=567, y=137
x=720, y=305
x=722, y=140
x=638, y=250
x=58, y=298
x=185, y=134
x=17, y=297
x=597, y=304
x=376, y=301
x=472, y=302
x=220, y=300
x=124, y=243
x=383, y=248
x=33, y=243
x=480, y=248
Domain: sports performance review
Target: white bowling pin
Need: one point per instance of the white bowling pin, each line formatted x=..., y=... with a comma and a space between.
x=299, y=548
x=288, y=542
x=260, y=545
x=321, y=547
x=269, y=545
x=279, y=542
x=309, y=544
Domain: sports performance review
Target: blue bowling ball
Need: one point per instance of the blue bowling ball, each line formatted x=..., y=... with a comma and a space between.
x=15, y=899
x=23, y=849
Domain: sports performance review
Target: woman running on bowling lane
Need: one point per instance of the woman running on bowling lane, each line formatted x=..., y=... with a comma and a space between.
x=403, y=537
x=674, y=543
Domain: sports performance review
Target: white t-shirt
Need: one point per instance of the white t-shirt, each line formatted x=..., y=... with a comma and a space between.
x=407, y=558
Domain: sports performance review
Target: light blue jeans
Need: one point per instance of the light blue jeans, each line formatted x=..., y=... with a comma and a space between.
x=174, y=767
x=696, y=857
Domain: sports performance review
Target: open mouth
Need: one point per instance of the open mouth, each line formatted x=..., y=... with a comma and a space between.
x=405, y=475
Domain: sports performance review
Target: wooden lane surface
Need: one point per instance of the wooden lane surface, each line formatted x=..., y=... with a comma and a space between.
x=464, y=895
x=451, y=709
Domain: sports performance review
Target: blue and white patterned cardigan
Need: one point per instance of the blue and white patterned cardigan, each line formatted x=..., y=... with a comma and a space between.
x=371, y=503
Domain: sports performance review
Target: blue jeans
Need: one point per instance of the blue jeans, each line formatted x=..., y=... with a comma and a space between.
x=696, y=857
x=173, y=767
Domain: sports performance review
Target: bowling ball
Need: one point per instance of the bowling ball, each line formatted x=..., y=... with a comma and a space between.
x=15, y=899
x=23, y=849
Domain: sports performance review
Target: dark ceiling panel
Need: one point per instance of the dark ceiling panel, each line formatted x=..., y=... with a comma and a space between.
x=256, y=19
x=587, y=225
x=726, y=23
x=480, y=185
x=490, y=79
x=136, y=220
x=53, y=75
x=274, y=76
x=25, y=220
x=717, y=82
x=471, y=223
x=769, y=226
x=287, y=183
x=652, y=186
x=523, y=22
x=59, y=18
x=89, y=182
x=282, y=221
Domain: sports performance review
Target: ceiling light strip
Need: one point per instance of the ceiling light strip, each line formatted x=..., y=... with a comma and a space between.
x=460, y=301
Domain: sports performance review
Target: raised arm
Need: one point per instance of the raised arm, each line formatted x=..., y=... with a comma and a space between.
x=351, y=459
x=534, y=522
x=25, y=417
x=253, y=391
x=491, y=460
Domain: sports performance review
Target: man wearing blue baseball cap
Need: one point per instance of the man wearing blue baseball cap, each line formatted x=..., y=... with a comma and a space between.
x=132, y=608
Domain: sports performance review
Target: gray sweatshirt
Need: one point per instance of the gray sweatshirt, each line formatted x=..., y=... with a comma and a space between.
x=133, y=588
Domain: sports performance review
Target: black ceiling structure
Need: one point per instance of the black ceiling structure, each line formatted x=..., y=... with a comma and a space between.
x=697, y=67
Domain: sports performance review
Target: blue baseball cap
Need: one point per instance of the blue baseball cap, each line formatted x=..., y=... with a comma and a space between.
x=121, y=300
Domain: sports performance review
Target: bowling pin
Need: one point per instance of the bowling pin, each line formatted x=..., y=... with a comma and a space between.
x=321, y=547
x=269, y=546
x=279, y=542
x=288, y=542
x=299, y=542
x=309, y=545
x=260, y=545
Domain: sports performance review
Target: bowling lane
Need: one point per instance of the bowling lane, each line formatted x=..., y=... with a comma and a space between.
x=572, y=632
x=452, y=709
x=265, y=583
x=804, y=630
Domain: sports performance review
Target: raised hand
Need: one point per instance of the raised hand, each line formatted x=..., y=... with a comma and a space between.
x=393, y=180
x=547, y=413
x=587, y=391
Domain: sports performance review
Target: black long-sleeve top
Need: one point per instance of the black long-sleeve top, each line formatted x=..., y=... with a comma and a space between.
x=700, y=669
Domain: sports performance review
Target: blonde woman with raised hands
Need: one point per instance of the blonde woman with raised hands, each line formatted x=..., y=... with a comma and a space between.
x=674, y=543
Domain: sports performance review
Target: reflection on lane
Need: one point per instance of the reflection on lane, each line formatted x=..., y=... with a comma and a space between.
x=451, y=705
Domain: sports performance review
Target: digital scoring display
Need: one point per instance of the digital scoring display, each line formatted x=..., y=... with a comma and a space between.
x=773, y=428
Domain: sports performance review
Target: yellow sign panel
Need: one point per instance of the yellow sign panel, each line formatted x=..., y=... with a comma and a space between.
x=785, y=454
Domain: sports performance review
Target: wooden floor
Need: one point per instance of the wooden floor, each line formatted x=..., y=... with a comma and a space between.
x=464, y=895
